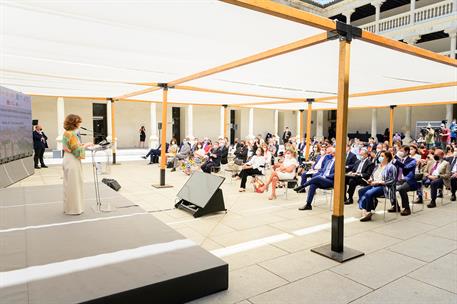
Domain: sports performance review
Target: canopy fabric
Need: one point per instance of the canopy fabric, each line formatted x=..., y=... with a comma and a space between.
x=109, y=48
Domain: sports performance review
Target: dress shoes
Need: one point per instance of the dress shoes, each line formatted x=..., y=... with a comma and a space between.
x=440, y=193
x=432, y=204
x=144, y=157
x=44, y=166
x=367, y=217
x=36, y=167
x=348, y=201
x=405, y=212
x=394, y=209
x=173, y=170
x=418, y=201
x=305, y=207
x=297, y=189
x=453, y=198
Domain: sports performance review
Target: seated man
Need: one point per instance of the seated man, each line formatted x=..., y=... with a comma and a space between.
x=214, y=158
x=184, y=153
x=351, y=158
x=360, y=173
x=453, y=179
x=406, y=181
x=319, y=164
x=154, y=153
x=322, y=180
x=435, y=173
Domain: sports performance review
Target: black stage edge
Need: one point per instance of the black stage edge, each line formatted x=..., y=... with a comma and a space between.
x=152, y=262
x=162, y=181
x=336, y=250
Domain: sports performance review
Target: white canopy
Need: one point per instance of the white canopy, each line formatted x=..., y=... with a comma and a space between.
x=109, y=48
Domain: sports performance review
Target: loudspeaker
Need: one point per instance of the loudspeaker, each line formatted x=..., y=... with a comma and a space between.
x=201, y=194
x=112, y=183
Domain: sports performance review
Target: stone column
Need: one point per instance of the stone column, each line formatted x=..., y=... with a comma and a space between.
x=452, y=35
x=377, y=4
x=298, y=125
x=320, y=125
x=276, y=119
x=374, y=123
x=153, y=138
x=222, y=120
x=251, y=124
x=412, y=8
x=408, y=138
x=109, y=133
x=190, y=123
x=60, y=120
x=348, y=14
x=449, y=114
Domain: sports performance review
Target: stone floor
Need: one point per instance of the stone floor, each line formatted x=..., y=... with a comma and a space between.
x=267, y=244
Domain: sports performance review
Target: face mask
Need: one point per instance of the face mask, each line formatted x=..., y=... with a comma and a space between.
x=381, y=159
x=401, y=154
x=436, y=157
x=288, y=156
x=322, y=152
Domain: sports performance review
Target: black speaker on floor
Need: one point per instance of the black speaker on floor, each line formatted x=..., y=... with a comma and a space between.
x=112, y=183
x=201, y=194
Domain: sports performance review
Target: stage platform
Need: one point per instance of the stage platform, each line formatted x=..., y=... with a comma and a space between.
x=124, y=256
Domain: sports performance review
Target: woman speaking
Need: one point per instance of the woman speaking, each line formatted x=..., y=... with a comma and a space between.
x=72, y=168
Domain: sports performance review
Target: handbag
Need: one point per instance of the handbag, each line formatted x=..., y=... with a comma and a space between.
x=258, y=184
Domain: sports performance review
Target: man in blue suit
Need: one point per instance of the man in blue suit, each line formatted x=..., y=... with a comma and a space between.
x=406, y=167
x=318, y=165
x=322, y=180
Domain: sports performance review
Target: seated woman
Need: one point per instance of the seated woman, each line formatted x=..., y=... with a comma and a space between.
x=284, y=171
x=214, y=158
x=173, y=148
x=255, y=166
x=267, y=153
x=382, y=182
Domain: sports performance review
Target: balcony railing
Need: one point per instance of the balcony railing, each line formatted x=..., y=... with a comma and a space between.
x=422, y=14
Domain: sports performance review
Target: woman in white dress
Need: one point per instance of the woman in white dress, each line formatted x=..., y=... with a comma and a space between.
x=285, y=171
x=73, y=202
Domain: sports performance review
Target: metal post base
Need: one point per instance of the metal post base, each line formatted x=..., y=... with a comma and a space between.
x=162, y=181
x=341, y=257
x=104, y=208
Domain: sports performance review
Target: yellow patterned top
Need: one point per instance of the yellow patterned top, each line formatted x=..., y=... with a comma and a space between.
x=71, y=144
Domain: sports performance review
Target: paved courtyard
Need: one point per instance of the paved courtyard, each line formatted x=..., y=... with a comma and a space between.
x=267, y=243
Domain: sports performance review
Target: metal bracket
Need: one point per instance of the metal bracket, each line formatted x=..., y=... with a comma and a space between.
x=310, y=100
x=164, y=86
x=345, y=31
x=392, y=106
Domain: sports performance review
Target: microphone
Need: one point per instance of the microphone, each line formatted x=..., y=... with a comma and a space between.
x=87, y=129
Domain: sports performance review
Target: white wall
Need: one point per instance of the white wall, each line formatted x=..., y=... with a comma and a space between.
x=45, y=110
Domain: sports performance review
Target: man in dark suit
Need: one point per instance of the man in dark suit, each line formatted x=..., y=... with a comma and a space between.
x=360, y=173
x=214, y=158
x=351, y=158
x=286, y=135
x=39, y=145
x=320, y=162
x=322, y=180
x=406, y=168
x=155, y=153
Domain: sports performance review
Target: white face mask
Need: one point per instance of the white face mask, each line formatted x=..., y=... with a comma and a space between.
x=322, y=152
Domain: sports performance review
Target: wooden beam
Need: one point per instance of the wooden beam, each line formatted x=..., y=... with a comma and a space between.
x=308, y=130
x=391, y=125
x=396, y=90
x=300, y=127
x=140, y=92
x=225, y=121
x=290, y=47
x=286, y=12
x=198, y=89
x=406, y=48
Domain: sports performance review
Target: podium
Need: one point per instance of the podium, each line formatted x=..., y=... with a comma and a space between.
x=99, y=207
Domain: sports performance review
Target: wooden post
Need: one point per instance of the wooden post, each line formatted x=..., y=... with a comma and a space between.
x=308, y=129
x=391, y=126
x=225, y=121
x=163, y=141
x=336, y=249
x=300, y=127
x=113, y=130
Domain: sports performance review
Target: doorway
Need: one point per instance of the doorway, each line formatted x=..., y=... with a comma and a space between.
x=176, y=119
x=99, y=125
x=232, y=127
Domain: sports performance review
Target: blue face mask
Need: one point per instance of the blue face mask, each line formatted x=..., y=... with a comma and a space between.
x=381, y=159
